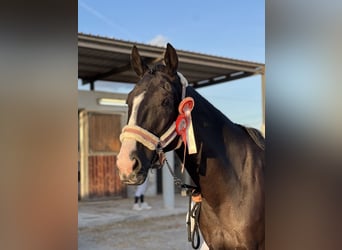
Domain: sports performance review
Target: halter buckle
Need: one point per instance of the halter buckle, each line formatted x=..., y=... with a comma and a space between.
x=161, y=154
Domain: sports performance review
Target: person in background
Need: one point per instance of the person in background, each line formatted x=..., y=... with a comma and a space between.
x=139, y=203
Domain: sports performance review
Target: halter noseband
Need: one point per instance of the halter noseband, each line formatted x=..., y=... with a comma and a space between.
x=148, y=139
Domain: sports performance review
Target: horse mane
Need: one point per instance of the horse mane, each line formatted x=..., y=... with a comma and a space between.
x=256, y=136
x=254, y=133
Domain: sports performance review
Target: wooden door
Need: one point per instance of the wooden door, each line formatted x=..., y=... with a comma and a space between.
x=104, y=145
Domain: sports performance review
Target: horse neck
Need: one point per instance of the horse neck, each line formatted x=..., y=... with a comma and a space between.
x=209, y=124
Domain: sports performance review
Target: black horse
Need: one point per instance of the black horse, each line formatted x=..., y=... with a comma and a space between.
x=227, y=164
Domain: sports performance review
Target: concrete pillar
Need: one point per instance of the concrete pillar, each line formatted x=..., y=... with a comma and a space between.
x=168, y=184
x=84, y=142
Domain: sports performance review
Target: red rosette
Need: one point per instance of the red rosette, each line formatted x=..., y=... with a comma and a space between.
x=181, y=126
x=187, y=103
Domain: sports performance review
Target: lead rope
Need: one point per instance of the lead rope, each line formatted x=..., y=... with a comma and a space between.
x=194, y=211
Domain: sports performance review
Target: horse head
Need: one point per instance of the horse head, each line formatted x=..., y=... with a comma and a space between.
x=152, y=112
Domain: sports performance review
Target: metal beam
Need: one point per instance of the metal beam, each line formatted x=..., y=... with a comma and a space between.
x=111, y=72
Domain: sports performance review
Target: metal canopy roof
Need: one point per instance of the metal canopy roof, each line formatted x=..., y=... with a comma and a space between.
x=101, y=58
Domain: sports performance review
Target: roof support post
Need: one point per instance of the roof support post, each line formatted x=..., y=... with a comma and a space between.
x=83, y=154
x=168, y=183
x=92, y=85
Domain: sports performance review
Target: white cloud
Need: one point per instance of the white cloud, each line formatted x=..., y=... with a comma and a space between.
x=159, y=40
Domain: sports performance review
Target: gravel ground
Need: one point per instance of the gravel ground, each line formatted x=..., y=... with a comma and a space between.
x=164, y=233
x=112, y=224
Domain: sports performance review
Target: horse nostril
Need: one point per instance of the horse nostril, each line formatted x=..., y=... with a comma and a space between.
x=137, y=163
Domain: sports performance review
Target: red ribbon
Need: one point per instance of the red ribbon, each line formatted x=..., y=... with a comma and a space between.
x=183, y=119
x=181, y=126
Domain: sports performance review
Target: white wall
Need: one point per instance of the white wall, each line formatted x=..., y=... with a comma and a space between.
x=89, y=100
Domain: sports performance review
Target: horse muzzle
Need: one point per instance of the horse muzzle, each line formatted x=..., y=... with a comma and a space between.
x=133, y=179
x=133, y=174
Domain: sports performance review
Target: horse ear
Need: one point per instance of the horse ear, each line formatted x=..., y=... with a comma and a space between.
x=171, y=59
x=137, y=63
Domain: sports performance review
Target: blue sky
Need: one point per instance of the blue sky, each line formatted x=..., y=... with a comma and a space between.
x=234, y=29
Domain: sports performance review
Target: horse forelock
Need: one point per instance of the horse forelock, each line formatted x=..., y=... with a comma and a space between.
x=158, y=67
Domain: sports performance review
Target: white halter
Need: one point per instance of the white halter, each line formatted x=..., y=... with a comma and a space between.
x=148, y=139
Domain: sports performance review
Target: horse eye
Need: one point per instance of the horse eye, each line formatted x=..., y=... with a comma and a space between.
x=167, y=86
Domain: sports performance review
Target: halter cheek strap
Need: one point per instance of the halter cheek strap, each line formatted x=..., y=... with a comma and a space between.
x=184, y=83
